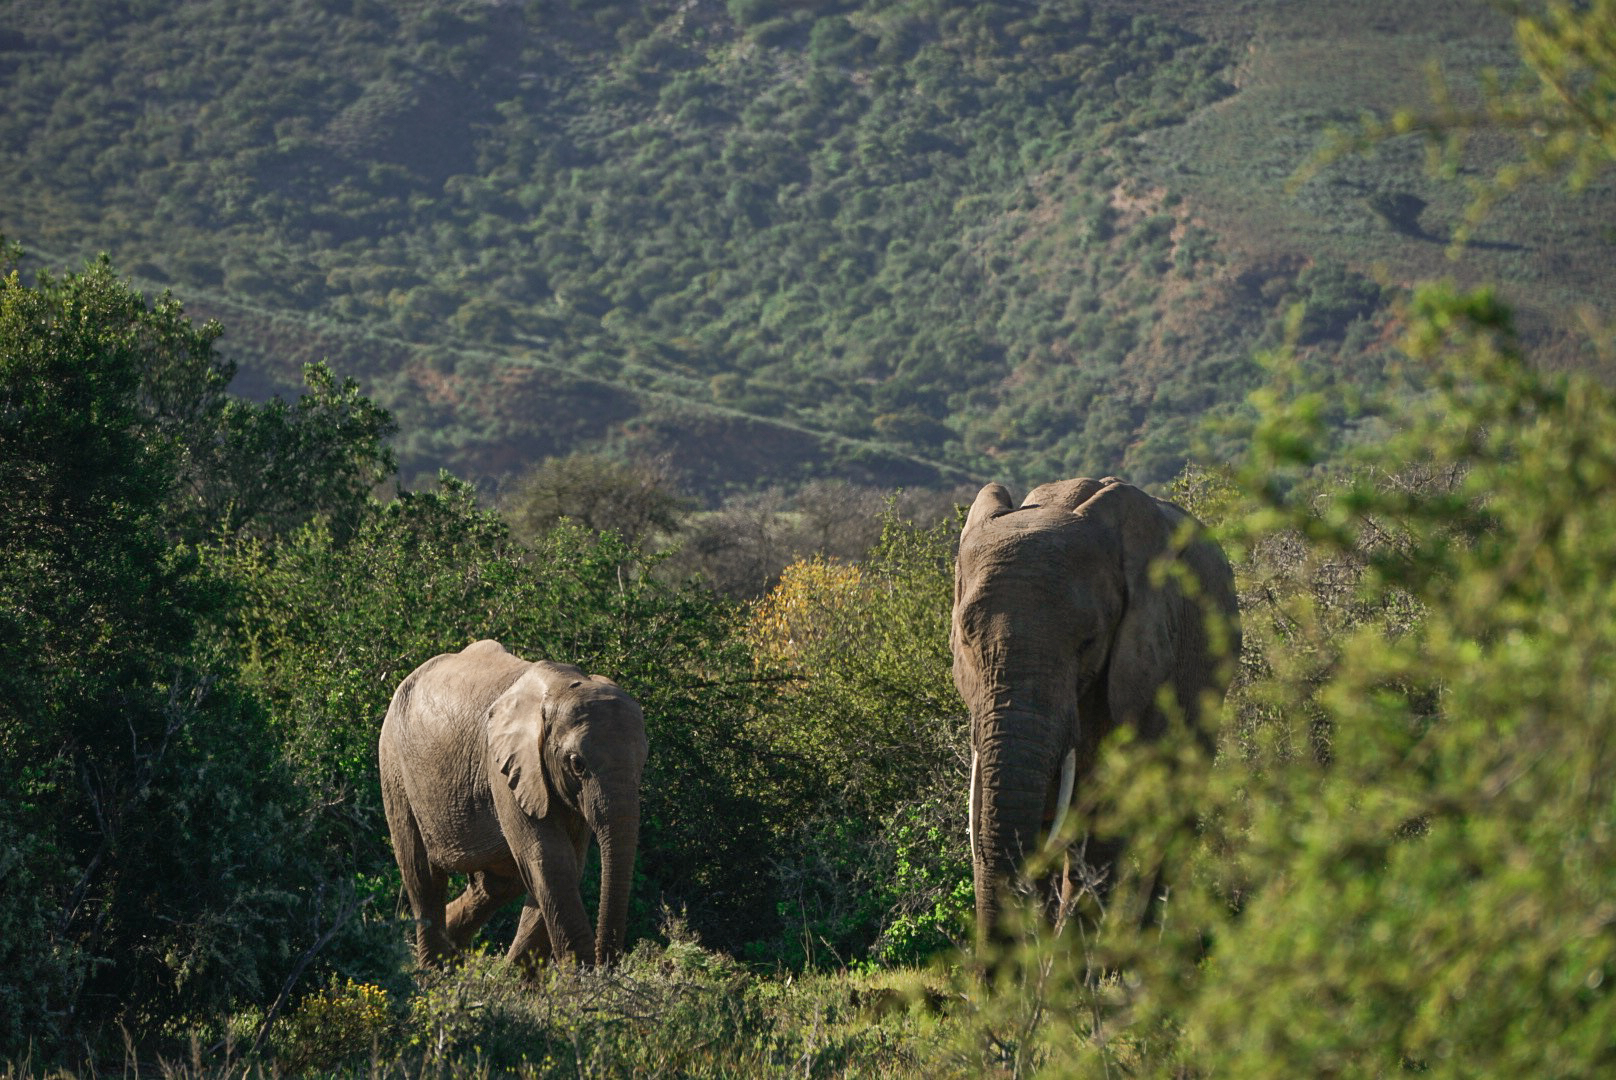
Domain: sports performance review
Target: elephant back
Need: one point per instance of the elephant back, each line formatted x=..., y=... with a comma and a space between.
x=433, y=735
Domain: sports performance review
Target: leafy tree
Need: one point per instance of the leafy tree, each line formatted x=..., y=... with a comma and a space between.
x=149, y=829
x=877, y=868
x=875, y=707
x=634, y=500
x=273, y=466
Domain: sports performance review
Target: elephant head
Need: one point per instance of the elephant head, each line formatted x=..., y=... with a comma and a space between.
x=571, y=748
x=1060, y=634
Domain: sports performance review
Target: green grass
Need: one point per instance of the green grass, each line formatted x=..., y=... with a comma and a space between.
x=668, y=1010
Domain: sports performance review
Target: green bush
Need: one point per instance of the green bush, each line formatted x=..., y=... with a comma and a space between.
x=340, y=1025
x=1428, y=896
x=1333, y=297
x=153, y=867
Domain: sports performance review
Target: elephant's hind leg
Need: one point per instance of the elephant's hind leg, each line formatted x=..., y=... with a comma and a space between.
x=485, y=894
x=425, y=885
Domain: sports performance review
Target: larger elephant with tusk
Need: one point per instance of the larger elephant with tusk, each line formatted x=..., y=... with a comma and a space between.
x=1061, y=634
x=504, y=770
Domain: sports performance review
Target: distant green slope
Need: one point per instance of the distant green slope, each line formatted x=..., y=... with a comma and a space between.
x=901, y=241
x=1306, y=67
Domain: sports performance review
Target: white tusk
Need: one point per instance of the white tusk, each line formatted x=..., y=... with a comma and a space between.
x=970, y=825
x=1068, y=776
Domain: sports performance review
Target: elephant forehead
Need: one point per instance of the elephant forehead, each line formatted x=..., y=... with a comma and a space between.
x=587, y=701
x=601, y=719
x=551, y=675
x=1036, y=582
x=1032, y=539
x=993, y=620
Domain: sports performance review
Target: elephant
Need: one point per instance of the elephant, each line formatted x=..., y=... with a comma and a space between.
x=1060, y=636
x=501, y=769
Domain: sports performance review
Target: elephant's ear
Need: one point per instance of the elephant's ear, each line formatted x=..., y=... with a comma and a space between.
x=992, y=500
x=516, y=732
x=1147, y=639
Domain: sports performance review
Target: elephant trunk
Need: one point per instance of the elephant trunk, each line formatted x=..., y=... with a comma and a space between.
x=618, y=835
x=1017, y=755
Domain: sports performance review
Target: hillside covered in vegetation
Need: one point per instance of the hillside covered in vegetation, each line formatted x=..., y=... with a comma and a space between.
x=896, y=241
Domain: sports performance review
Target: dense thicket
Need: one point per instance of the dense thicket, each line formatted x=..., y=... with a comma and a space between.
x=900, y=223
x=152, y=834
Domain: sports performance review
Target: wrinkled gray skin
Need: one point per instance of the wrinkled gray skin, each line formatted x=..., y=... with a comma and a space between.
x=1059, y=638
x=502, y=769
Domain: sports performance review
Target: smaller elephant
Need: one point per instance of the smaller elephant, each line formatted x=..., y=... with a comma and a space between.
x=502, y=770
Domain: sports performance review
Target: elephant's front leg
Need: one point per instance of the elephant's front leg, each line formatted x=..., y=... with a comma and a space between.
x=562, y=903
x=551, y=871
x=531, y=945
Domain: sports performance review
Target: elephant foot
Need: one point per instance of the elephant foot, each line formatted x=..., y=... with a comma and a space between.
x=433, y=948
x=531, y=946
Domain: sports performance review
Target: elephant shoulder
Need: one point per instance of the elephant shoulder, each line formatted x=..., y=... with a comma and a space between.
x=478, y=653
x=405, y=693
x=481, y=671
x=454, y=686
x=1114, y=500
x=1176, y=516
x=1202, y=554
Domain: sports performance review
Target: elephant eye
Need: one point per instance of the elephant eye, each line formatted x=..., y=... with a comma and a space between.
x=575, y=764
